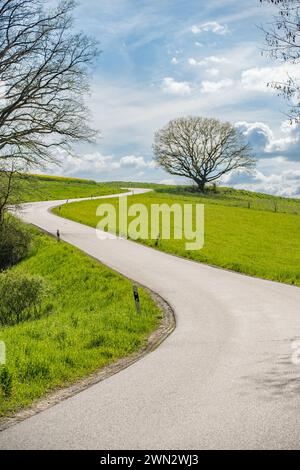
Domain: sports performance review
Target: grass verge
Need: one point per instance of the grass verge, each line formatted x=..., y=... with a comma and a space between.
x=89, y=322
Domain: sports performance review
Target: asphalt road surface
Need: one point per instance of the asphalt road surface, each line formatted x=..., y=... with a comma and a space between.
x=223, y=379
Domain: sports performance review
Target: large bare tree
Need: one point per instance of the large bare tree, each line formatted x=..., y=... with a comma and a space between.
x=43, y=79
x=283, y=44
x=201, y=149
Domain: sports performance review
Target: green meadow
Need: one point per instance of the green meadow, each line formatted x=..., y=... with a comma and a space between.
x=225, y=196
x=260, y=239
x=32, y=188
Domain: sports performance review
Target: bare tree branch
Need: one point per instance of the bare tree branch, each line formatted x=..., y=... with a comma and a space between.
x=43, y=79
x=283, y=44
x=11, y=177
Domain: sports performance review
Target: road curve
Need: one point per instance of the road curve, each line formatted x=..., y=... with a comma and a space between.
x=223, y=379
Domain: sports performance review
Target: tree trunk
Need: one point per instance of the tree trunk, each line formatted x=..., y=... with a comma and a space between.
x=200, y=184
x=1, y=215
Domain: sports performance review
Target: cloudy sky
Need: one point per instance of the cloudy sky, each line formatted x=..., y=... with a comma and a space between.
x=162, y=59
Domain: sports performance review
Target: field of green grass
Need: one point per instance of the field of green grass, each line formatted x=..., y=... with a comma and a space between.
x=89, y=321
x=32, y=188
x=226, y=197
x=254, y=241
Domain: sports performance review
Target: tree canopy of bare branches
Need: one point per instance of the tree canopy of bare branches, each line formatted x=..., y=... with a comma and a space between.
x=283, y=44
x=43, y=79
x=201, y=149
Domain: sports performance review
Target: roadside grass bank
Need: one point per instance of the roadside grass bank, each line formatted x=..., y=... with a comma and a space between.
x=255, y=242
x=33, y=188
x=88, y=321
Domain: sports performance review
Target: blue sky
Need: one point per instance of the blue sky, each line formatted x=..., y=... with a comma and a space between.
x=162, y=59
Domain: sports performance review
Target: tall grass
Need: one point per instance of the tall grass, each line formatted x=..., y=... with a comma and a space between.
x=91, y=322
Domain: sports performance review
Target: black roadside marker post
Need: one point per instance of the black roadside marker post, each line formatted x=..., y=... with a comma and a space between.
x=136, y=298
x=58, y=235
x=157, y=239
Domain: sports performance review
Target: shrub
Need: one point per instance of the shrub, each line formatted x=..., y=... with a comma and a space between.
x=21, y=297
x=15, y=241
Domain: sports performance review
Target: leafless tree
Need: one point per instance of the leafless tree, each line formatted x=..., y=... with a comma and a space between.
x=283, y=44
x=9, y=184
x=13, y=181
x=6, y=179
x=43, y=79
x=201, y=149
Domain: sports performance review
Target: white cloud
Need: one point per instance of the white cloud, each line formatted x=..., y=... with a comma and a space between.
x=82, y=164
x=173, y=87
x=257, y=78
x=170, y=182
x=136, y=162
x=263, y=140
x=210, y=26
x=216, y=60
x=132, y=161
x=192, y=61
x=210, y=87
x=290, y=137
x=258, y=133
x=285, y=183
x=174, y=60
x=95, y=164
x=208, y=60
x=213, y=72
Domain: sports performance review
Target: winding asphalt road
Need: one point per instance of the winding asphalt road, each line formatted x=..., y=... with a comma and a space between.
x=223, y=379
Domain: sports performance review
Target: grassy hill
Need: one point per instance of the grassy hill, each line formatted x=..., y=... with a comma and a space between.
x=247, y=232
x=31, y=188
x=226, y=197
